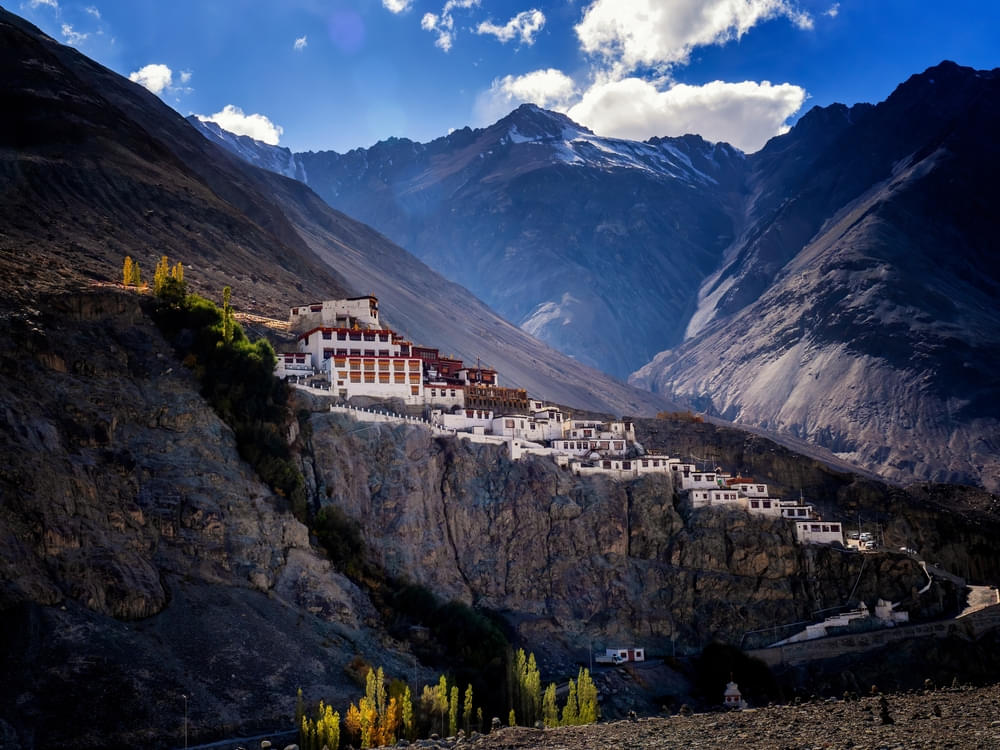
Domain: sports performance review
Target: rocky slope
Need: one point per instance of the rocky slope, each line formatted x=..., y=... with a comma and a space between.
x=570, y=560
x=141, y=559
x=839, y=285
x=105, y=169
x=943, y=718
x=860, y=311
x=565, y=233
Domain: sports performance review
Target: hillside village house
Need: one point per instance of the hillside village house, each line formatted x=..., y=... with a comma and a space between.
x=344, y=343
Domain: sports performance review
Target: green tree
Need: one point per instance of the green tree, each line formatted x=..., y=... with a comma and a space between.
x=300, y=709
x=161, y=274
x=479, y=718
x=136, y=275
x=407, y=710
x=442, y=699
x=227, y=315
x=453, y=712
x=127, y=271
x=550, y=710
x=586, y=695
x=571, y=711
x=512, y=719
x=467, y=708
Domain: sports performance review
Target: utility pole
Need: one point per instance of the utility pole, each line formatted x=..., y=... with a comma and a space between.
x=184, y=696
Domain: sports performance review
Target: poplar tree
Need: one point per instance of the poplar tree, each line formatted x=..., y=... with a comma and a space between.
x=177, y=272
x=407, y=711
x=453, y=712
x=467, y=708
x=442, y=699
x=571, y=711
x=136, y=275
x=127, y=271
x=227, y=315
x=161, y=274
x=550, y=710
x=512, y=719
x=586, y=695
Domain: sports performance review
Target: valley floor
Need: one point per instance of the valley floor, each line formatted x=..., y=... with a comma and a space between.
x=969, y=718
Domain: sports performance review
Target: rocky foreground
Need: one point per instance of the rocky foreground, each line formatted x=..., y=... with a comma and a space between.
x=955, y=718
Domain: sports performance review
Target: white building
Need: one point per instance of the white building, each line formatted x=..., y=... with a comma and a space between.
x=698, y=480
x=747, y=487
x=762, y=506
x=335, y=313
x=626, y=654
x=796, y=509
x=718, y=496
x=299, y=364
x=388, y=376
x=816, y=531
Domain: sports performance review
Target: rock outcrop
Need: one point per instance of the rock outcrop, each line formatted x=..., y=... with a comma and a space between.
x=142, y=560
x=571, y=560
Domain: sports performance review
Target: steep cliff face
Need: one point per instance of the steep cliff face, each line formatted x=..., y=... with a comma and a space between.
x=570, y=560
x=141, y=558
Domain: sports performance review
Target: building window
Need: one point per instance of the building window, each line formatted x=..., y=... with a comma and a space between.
x=341, y=336
x=754, y=504
x=383, y=377
x=509, y=424
x=835, y=527
x=414, y=390
x=369, y=377
x=355, y=377
x=327, y=335
x=399, y=378
x=433, y=393
x=626, y=465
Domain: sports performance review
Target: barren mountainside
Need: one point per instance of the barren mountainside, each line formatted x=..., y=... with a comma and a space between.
x=839, y=285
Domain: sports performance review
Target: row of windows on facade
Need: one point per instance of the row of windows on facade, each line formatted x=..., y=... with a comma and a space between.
x=353, y=336
x=398, y=365
x=597, y=445
x=383, y=377
x=327, y=353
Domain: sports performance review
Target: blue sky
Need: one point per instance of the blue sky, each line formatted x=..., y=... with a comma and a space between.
x=319, y=74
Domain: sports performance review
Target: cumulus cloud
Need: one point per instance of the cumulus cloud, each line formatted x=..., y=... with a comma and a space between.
x=300, y=44
x=257, y=126
x=744, y=114
x=156, y=77
x=397, y=6
x=524, y=25
x=629, y=34
x=832, y=11
x=443, y=24
x=71, y=36
x=185, y=76
x=549, y=88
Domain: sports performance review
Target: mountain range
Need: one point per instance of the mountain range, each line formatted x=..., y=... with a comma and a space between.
x=97, y=168
x=839, y=285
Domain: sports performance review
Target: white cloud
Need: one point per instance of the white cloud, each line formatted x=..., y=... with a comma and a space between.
x=832, y=11
x=524, y=25
x=49, y=3
x=257, y=126
x=397, y=6
x=549, y=88
x=300, y=44
x=444, y=24
x=185, y=76
x=72, y=37
x=744, y=114
x=156, y=77
x=629, y=34
x=93, y=11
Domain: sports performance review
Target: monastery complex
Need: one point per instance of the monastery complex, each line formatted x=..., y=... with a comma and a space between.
x=344, y=349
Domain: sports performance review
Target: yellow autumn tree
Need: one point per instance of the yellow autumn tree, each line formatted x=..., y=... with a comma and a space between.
x=406, y=708
x=586, y=698
x=127, y=271
x=177, y=272
x=161, y=274
x=352, y=722
x=550, y=709
x=467, y=709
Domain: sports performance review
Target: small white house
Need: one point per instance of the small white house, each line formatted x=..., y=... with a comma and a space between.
x=705, y=498
x=299, y=364
x=698, y=480
x=627, y=654
x=816, y=531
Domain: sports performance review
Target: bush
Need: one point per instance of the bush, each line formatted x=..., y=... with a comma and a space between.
x=237, y=379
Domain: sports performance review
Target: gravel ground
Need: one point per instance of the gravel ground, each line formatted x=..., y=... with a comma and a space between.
x=969, y=718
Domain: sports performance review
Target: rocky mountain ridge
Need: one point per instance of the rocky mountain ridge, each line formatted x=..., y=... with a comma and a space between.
x=839, y=285
x=94, y=168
